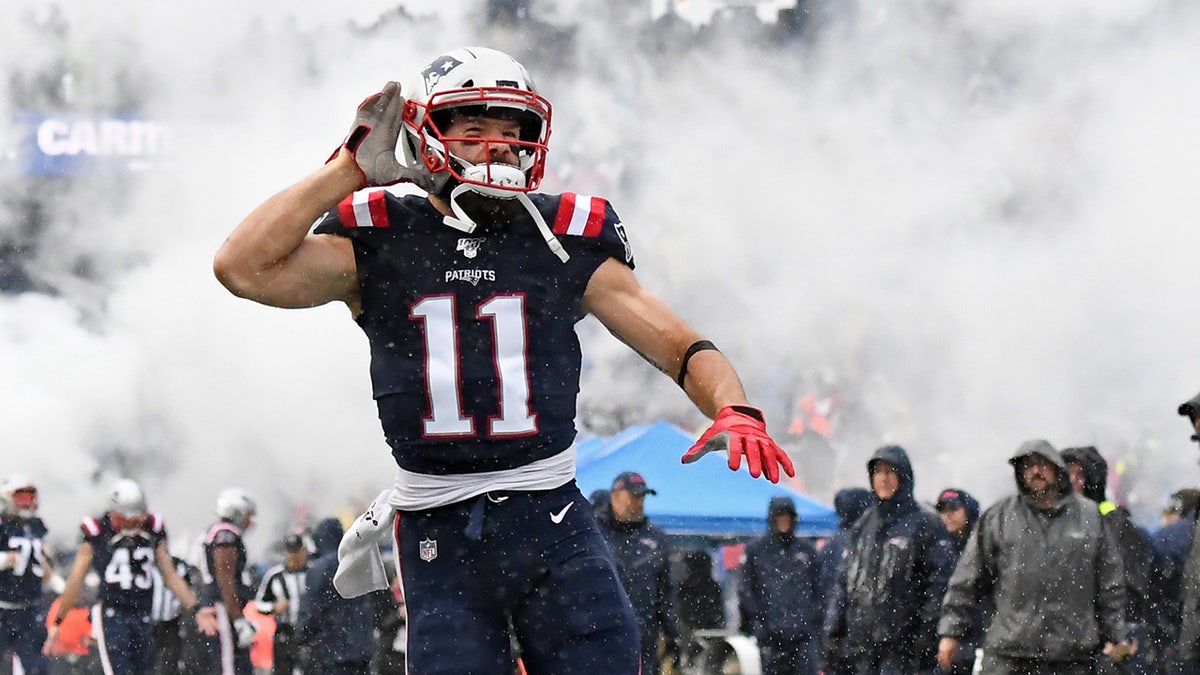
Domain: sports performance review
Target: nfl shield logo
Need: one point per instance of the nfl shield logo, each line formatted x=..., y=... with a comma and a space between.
x=428, y=549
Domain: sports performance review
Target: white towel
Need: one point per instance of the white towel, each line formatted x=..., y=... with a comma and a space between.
x=360, y=563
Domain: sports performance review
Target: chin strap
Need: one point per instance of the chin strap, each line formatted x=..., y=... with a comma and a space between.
x=463, y=223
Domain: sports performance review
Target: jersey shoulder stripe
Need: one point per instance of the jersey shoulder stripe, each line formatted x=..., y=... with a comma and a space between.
x=221, y=528
x=90, y=527
x=579, y=215
x=365, y=208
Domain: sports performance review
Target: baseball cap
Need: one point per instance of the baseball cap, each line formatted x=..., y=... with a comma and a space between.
x=950, y=499
x=633, y=482
x=293, y=542
x=1189, y=407
x=1184, y=501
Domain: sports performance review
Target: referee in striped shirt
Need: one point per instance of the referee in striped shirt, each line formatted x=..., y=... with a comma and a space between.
x=282, y=588
x=165, y=610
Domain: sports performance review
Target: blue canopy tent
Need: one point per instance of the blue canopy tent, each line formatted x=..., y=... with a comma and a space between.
x=703, y=498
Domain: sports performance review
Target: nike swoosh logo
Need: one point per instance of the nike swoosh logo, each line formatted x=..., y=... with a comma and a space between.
x=557, y=518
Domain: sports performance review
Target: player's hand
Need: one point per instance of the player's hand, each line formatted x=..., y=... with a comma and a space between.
x=51, y=638
x=1121, y=650
x=206, y=620
x=742, y=431
x=947, y=648
x=246, y=630
x=372, y=140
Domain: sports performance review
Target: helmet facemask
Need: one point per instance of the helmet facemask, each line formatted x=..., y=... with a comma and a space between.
x=427, y=123
x=127, y=506
x=25, y=502
x=488, y=83
x=121, y=522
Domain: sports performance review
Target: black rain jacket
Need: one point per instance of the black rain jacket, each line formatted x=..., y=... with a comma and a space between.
x=778, y=591
x=890, y=585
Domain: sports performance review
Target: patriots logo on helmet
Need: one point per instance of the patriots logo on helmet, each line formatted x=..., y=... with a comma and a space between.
x=436, y=70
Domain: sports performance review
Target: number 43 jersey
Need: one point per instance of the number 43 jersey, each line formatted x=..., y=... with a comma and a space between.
x=474, y=358
x=125, y=561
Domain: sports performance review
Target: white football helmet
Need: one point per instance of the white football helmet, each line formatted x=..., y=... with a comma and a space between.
x=127, y=499
x=19, y=496
x=484, y=80
x=236, y=506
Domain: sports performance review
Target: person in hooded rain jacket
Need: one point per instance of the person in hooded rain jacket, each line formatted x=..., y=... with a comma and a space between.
x=1189, y=609
x=884, y=609
x=849, y=504
x=778, y=594
x=959, y=512
x=1171, y=543
x=1045, y=560
x=340, y=632
x=1089, y=477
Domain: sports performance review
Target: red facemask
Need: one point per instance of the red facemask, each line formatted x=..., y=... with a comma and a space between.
x=120, y=522
x=25, y=500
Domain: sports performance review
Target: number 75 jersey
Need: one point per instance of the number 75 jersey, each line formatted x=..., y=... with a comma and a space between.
x=21, y=581
x=475, y=362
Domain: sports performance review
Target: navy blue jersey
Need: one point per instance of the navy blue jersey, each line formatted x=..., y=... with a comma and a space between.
x=21, y=584
x=125, y=561
x=224, y=533
x=474, y=358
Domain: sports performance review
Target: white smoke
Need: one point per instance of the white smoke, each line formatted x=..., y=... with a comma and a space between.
x=973, y=216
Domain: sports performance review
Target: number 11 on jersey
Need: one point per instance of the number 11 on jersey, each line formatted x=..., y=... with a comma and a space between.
x=442, y=377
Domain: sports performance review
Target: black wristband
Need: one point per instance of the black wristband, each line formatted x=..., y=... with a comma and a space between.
x=749, y=411
x=58, y=619
x=697, y=346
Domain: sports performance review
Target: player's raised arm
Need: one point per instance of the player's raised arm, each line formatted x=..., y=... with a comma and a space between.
x=646, y=324
x=271, y=257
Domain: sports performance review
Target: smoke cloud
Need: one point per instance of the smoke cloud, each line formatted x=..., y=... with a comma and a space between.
x=970, y=220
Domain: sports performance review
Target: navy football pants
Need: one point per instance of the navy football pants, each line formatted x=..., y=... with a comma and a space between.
x=125, y=641
x=535, y=559
x=22, y=632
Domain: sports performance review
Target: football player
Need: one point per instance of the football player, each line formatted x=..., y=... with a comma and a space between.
x=124, y=546
x=469, y=296
x=24, y=572
x=227, y=583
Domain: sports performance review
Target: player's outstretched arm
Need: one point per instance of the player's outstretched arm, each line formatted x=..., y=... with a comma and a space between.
x=646, y=324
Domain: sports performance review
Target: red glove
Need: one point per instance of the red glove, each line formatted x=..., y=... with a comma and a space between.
x=741, y=430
